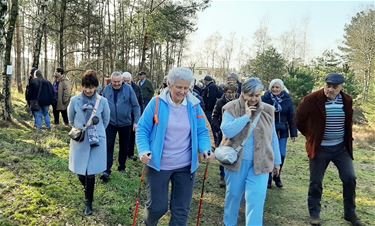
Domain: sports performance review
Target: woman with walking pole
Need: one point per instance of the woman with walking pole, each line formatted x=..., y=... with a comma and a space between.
x=171, y=133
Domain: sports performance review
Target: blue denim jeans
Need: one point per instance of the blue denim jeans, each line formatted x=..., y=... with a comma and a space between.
x=38, y=117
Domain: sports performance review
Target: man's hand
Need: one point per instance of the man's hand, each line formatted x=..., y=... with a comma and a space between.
x=135, y=127
x=146, y=158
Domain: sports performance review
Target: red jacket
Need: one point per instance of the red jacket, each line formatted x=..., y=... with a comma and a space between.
x=311, y=121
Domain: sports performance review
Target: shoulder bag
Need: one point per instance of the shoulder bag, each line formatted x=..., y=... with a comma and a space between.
x=228, y=155
x=34, y=104
x=78, y=134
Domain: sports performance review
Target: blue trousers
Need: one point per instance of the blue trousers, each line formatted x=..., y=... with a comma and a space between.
x=255, y=189
x=39, y=115
x=182, y=181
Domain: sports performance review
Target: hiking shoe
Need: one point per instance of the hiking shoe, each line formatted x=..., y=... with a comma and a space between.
x=121, y=169
x=278, y=182
x=88, y=209
x=355, y=221
x=222, y=182
x=105, y=177
x=315, y=221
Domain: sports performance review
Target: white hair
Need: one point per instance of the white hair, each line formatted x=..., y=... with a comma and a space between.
x=281, y=84
x=126, y=75
x=180, y=73
x=116, y=74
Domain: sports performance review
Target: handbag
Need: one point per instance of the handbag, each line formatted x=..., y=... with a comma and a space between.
x=228, y=155
x=78, y=134
x=34, y=104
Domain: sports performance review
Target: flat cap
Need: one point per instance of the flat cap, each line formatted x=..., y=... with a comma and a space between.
x=335, y=79
x=208, y=78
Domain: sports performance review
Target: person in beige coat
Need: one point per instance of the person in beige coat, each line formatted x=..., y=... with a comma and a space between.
x=62, y=90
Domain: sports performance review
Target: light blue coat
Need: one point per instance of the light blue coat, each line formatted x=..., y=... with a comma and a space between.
x=82, y=157
x=150, y=136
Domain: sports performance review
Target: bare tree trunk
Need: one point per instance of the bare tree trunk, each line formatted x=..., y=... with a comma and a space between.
x=61, y=33
x=152, y=61
x=45, y=54
x=18, y=71
x=110, y=49
x=39, y=33
x=25, y=64
x=167, y=58
x=7, y=107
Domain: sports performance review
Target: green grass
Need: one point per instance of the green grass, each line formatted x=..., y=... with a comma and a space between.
x=36, y=187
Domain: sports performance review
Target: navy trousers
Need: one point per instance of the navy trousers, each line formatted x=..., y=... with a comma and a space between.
x=124, y=138
x=340, y=157
x=182, y=181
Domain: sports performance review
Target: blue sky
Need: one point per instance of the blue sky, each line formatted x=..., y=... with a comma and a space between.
x=326, y=20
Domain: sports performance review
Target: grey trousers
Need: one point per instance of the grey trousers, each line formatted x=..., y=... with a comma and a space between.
x=182, y=181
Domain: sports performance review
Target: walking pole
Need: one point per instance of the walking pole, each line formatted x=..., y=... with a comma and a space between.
x=199, y=216
x=137, y=202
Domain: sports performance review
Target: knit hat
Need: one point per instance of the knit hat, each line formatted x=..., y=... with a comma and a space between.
x=208, y=78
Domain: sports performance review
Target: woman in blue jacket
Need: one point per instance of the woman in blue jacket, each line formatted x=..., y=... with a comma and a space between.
x=171, y=132
x=88, y=158
x=278, y=96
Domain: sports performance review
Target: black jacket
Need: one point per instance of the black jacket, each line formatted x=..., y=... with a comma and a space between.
x=138, y=94
x=217, y=116
x=210, y=94
x=284, y=119
x=46, y=96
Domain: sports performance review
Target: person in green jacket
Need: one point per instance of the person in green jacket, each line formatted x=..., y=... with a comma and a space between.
x=146, y=88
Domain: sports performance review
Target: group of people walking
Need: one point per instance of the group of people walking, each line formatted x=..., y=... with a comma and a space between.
x=173, y=128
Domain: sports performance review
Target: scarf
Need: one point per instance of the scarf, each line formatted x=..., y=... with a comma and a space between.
x=277, y=101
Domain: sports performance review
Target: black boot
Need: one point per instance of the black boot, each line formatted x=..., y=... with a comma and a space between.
x=277, y=179
x=88, y=208
x=269, y=184
x=89, y=194
x=278, y=182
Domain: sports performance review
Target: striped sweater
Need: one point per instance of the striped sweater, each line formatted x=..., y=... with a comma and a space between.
x=335, y=122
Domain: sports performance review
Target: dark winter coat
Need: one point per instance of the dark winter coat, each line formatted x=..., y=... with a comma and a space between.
x=147, y=91
x=210, y=94
x=311, y=121
x=46, y=96
x=217, y=116
x=138, y=94
x=284, y=120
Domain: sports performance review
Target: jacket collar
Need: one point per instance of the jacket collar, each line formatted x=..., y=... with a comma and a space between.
x=189, y=98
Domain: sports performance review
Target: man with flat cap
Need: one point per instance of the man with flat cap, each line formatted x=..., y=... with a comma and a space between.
x=210, y=94
x=325, y=118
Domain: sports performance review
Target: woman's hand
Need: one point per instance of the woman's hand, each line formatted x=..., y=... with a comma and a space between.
x=276, y=171
x=250, y=109
x=146, y=158
x=208, y=156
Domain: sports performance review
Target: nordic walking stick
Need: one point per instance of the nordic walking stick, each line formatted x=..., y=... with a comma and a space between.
x=135, y=218
x=199, y=216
